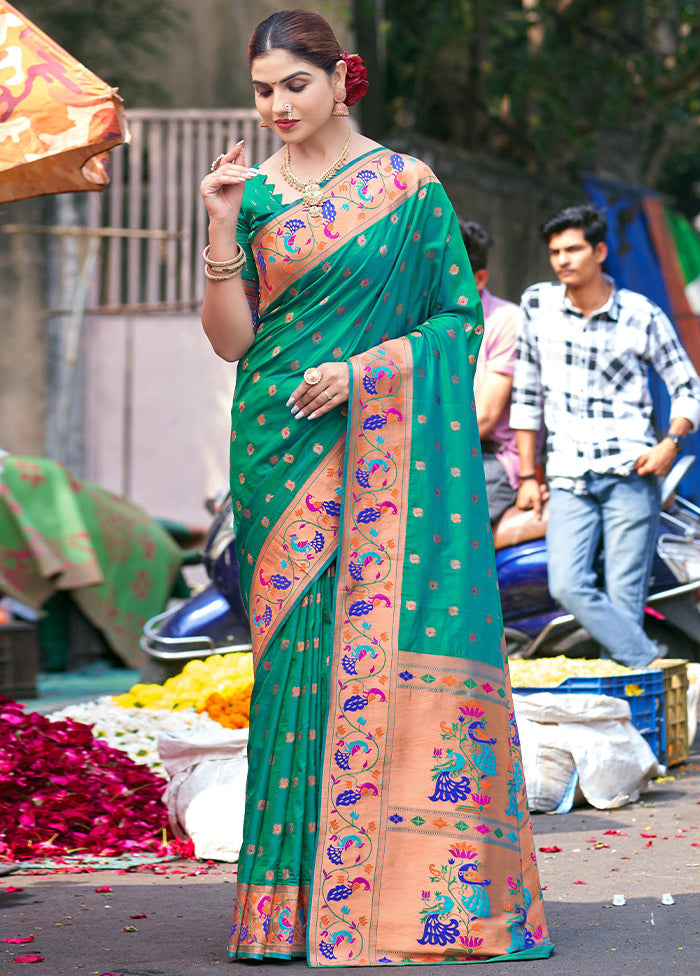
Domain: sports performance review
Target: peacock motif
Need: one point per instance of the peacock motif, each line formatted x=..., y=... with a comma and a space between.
x=397, y=164
x=288, y=233
x=483, y=756
x=435, y=930
x=308, y=547
x=342, y=891
x=263, y=619
x=450, y=916
x=371, y=377
x=450, y=785
x=476, y=899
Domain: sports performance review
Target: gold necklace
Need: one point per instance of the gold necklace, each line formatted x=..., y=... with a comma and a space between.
x=311, y=191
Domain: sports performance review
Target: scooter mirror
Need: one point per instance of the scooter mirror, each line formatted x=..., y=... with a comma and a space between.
x=674, y=478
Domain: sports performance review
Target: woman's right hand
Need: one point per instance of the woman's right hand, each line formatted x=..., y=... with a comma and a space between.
x=222, y=189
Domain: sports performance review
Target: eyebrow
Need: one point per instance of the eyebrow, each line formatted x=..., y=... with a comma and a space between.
x=295, y=74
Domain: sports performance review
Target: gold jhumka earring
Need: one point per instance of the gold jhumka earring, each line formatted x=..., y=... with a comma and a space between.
x=340, y=109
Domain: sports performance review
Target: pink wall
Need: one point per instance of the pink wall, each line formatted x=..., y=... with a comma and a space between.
x=157, y=412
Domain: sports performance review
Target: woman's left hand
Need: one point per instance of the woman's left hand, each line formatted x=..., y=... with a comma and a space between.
x=331, y=391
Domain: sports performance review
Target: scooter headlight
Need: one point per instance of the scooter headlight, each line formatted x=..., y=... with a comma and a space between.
x=222, y=531
x=682, y=556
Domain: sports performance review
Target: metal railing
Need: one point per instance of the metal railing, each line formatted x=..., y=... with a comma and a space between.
x=151, y=216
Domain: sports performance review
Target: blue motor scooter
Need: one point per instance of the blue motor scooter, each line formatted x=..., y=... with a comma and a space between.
x=214, y=619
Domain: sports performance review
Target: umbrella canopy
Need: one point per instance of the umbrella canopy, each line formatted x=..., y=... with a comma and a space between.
x=57, y=119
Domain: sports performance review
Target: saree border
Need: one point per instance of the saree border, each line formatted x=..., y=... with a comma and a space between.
x=280, y=910
x=353, y=204
x=298, y=548
x=365, y=654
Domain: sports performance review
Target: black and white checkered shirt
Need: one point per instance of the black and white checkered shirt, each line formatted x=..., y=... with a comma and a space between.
x=588, y=380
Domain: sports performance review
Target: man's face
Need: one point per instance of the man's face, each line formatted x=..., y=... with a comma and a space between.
x=575, y=262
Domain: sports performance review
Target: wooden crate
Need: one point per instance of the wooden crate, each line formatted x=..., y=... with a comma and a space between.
x=19, y=660
x=675, y=711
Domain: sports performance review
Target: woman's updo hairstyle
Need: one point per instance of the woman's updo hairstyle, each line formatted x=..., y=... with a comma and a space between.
x=301, y=33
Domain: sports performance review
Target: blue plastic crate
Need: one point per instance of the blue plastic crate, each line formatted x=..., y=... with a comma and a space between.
x=644, y=690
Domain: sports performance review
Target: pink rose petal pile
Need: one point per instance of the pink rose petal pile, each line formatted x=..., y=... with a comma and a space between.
x=64, y=792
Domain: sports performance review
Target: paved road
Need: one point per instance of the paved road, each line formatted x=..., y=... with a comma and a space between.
x=655, y=850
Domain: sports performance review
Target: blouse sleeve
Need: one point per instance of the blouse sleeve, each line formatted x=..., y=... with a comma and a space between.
x=249, y=274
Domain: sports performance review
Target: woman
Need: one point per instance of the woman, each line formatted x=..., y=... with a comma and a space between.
x=386, y=819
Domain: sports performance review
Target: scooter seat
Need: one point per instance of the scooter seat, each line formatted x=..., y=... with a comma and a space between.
x=517, y=525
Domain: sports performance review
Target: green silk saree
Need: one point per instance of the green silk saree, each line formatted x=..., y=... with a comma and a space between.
x=386, y=818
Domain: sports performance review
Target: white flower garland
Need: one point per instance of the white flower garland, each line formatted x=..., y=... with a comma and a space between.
x=134, y=730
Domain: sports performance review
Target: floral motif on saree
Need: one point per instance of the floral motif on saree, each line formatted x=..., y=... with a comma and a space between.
x=386, y=817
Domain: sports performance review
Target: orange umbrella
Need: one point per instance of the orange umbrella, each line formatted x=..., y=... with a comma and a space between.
x=57, y=119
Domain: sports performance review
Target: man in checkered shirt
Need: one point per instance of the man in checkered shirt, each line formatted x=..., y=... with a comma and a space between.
x=583, y=355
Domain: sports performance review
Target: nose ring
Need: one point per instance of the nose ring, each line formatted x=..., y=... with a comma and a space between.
x=288, y=109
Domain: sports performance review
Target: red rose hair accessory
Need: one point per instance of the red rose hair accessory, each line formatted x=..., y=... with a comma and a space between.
x=356, y=83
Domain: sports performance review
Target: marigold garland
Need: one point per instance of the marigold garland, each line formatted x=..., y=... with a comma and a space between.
x=221, y=685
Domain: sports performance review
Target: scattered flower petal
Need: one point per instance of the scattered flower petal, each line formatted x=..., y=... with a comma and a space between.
x=102, y=890
x=19, y=939
x=579, y=881
x=550, y=850
x=28, y=959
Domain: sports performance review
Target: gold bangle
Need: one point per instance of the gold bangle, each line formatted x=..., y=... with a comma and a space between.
x=221, y=275
x=230, y=265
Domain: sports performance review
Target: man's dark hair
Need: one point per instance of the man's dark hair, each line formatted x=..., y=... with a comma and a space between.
x=584, y=217
x=477, y=241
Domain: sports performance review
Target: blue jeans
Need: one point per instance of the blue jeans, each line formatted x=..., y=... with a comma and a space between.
x=625, y=512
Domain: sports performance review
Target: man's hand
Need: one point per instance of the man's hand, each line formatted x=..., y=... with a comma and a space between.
x=532, y=495
x=658, y=460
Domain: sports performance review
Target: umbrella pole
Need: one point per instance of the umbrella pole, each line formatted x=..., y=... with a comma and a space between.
x=70, y=276
x=75, y=331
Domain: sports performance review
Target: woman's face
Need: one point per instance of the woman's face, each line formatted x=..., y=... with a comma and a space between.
x=280, y=79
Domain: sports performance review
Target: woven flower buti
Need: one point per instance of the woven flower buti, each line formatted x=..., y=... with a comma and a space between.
x=356, y=83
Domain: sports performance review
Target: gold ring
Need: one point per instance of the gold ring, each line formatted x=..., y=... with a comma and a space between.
x=312, y=376
x=328, y=394
x=217, y=162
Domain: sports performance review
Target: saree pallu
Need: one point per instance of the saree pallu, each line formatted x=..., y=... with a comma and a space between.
x=386, y=817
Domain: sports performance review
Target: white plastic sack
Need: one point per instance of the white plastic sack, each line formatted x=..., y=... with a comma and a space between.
x=584, y=741
x=693, y=700
x=206, y=793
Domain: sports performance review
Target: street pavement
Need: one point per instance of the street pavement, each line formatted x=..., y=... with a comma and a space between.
x=176, y=922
